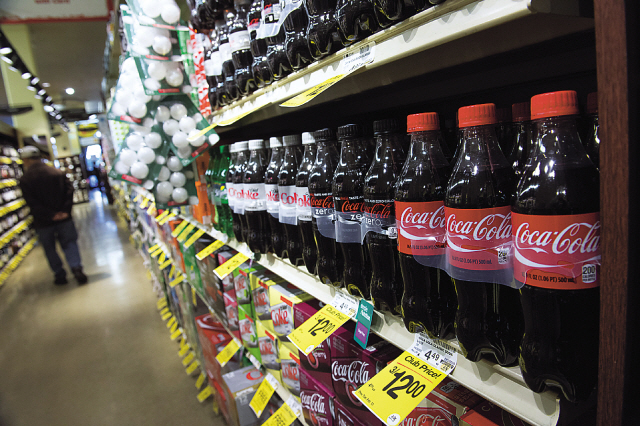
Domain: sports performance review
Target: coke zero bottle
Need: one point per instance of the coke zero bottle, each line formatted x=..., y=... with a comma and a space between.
x=348, y=198
x=556, y=235
x=592, y=142
x=276, y=52
x=429, y=301
x=295, y=44
x=278, y=241
x=260, y=67
x=239, y=186
x=210, y=68
x=489, y=317
x=323, y=37
x=255, y=205
x=240, y=41
x=330, y=264
x=303, y=209
x=521, y=114
x=228, y=67
x=356, y=20
x=287, y=193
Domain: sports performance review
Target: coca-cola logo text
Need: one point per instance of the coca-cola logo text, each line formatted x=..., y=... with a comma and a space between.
x=245, y=327
x=492, y=227
x=380, y=210
x=266, y=347
x=280, y=316
x=433, y=219
x=303, y=201
x=322, y=202
x=356, y=372
x=313, y=401
x=272, y=195
x=290, y=371
x=348, y=206
x=288, y=199
x=430, y=419
x=569, y=240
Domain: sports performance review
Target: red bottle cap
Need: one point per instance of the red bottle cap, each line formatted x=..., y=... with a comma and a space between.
x=521, y=112
x=477, y=115
x=423, y=122
x=553, y=104
x=592, y=103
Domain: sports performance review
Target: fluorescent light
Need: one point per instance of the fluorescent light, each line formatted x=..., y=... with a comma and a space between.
x=7, y=60
x=53, y=140
x=70, y=90
x=45, y=85
x=26, y=75
x=49, y=99
x=34, y=81
x=93, y=117
x=58, y=117
x=98, y=134
x=31, y=88
x=48, y=108
x=6, y=50
x=37, y=96
x=42, y=92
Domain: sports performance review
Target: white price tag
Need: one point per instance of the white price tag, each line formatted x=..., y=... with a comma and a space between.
x=295, y=406
x=435, y=352
x=254, y=361
x=272, y=381
x=357, y=58
x=346, y=304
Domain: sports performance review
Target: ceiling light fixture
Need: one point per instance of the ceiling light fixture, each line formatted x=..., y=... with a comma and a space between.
x=26, y=75
x=37, y=96
x=7, y=59
x=5, y=50
x=31, y=88
x=48, y=108
x=93, y=117
x=70, y=90
x=42, y=92
x=58, y=117
x=45, y=85
x=49, y=99
x=34, y=81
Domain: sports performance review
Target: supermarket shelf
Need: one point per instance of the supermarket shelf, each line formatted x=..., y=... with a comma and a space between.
x=407, y=50
x=16, y=260
x=6, y=183
x=12, y=206
x=19, y=227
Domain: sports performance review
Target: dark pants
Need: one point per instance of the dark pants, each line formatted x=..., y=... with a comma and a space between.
x=66, y=234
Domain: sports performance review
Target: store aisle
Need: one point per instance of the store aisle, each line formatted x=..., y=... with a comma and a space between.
x=96, y=354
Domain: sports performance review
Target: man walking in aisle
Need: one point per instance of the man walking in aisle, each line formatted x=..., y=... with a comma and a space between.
x=49, y=195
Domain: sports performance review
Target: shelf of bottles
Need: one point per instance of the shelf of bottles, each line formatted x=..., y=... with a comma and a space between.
x=15, y=232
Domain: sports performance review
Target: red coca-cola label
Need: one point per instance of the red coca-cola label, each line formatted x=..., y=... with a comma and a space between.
x=349, y=204
x=479, y=239
x=379, y=210
x=422, y=228
x=290, y=371
x=266, y=347
x=558, y=252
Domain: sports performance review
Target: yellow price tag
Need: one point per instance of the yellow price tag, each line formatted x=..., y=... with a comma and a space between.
x=166, y=316
x=308, y=95
x=157, y=252
x=183, y=351
x=228, y=352
x=394, y=392
x=187, y=359
x=201, y=378
x=192, y=367
x=174, y=327
x=162, y=258
x=165, y=264
x=263, y=395
x=176, y=334
x=209, y=249
x=171, y=322
x=284, y=416
x=161, y=303
x=153, y=248
x=144, y=203
x=176, y=281
x=230, y=265
x=201, y=132
x=164, y=311
x=317, y=329
x=193, y=297
x=172, y=271
x=136, y=198
x=205, y=393
x=162, y=215
x=167, y=219
x=192, y=239
x=185, y=232
x=152, y=210
x=179, y=228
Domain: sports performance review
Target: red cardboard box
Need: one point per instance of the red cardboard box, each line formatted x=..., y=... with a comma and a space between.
x=318, y=363
x=489, y=414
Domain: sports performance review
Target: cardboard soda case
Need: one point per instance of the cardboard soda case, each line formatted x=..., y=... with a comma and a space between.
x=269, y=350
x=316, y=401
x=248, y=332
x=489, y=414
x=453, y=398
x=290, y=364
x=260, y=281
x=240, y=386
x=318, y=362
x=282, y=298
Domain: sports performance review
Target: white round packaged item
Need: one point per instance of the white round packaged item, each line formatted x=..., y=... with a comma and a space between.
x=153, y=140
x=144, y=35
x=150, y=9
x=179, y=195
x=140, y=129
x=197, y=141
x=184, y=152
x=187, y=124
x=148, y=122
x=179, y=139
x=178, y=111
x=162, y=45
x=139, y=170
x=197, y=117
x=148, y=185
x=151, y=84
x=156, y=70
x=164, y=189
x=193, y=200
x=134, y=141
x=172, y=65
x=140, y=95
x=174, y=78
x=170, y=13
x=129, y=66
x=124, y=97
x=128, y=157
x=146, y=155
x=157, y=98
x=122, y=168
x=160, y=160
x=178, y=179
x=186, y=89
x=162, y=114
x=174, y=164
x=138, y=109
x=213, y=139
x=164, y=174
x=170, y=127
x=118, y=109
x=189, y=174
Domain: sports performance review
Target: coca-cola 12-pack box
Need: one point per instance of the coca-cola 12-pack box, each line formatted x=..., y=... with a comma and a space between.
x=318, y=362
x=316, y=400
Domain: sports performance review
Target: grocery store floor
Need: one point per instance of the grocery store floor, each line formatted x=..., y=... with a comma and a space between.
x=97, y=354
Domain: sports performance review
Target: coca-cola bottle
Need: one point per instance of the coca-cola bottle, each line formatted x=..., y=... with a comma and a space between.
x=556, y=233
x=356, y=20
x=303, y=209
x=287, y=193
x=521, y=136
x=592, y=142
x=231, y=192
x=278, y=240
x=429, y=301
x=276, y=52
x=489, y=317
x=390, y=12
x=379, y=222
x=240, y=41
x=260, y=67
x=228, y=67
x=323, y=37
x=210, y=67
x=255, y=205
x=239, y=186
x=330, y=263
x=348, y=198
x=504, y=129
x=295, y=44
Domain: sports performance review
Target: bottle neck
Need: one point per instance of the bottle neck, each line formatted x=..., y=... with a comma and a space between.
x=479, y=146
x=557, y=139
x=352, y=152
x=425, y=147
x=387, y=146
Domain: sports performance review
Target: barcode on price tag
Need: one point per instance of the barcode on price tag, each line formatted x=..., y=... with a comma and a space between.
x=436, y=353
x=358, y=57
x=346, y=304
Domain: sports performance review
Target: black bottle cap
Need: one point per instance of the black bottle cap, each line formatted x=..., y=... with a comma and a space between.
x=324, y=135
x=388, y=125
x=350, y=131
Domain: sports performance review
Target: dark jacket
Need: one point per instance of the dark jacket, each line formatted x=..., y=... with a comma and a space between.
x=47, y=191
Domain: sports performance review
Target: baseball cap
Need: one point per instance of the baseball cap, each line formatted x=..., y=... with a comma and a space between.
x=30, y=152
